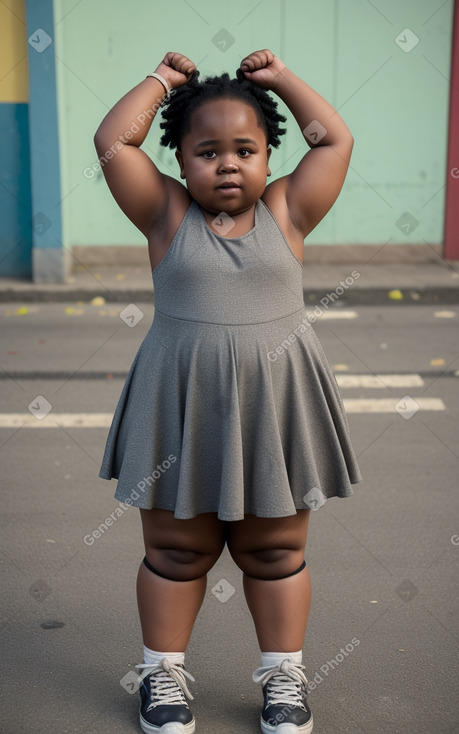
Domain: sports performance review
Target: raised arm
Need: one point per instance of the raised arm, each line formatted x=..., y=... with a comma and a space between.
x=139, y=188
x=312, y=188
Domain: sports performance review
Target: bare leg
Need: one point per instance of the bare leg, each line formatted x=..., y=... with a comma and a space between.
x=184, y=551
x=267, y=548
x=280, y=611
x=168, y=610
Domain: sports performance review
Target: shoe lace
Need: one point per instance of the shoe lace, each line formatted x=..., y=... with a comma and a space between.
x=167, y=683
x=285, y=683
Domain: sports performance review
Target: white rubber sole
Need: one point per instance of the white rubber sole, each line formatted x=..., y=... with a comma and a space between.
x=171, y=728
x=286, y=728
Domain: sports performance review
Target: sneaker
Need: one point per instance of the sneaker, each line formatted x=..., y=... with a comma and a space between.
x=285, y=710
x=164, y=699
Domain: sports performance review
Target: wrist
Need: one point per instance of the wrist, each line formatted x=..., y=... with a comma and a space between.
x=281, y=79
x=162, y=80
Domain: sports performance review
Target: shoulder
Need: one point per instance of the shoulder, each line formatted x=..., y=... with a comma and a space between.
x=178, y=198
x=274, y=197
x=178, y=201
x=165, y=228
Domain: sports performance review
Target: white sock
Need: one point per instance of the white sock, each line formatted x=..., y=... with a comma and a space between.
x=152, y=657
x=274, y=658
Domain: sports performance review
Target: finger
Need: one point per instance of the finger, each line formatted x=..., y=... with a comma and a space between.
x=190, y=68
x=185, y=65
x=170, y=59
x=257, y=60
x=250, y=63
x=265, y=57
x=179, y=62
x=175, y=61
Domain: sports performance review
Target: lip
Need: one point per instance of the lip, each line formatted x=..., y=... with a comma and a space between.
x=228, y=186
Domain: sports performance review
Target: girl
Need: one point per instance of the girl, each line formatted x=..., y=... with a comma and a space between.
x=230, y=426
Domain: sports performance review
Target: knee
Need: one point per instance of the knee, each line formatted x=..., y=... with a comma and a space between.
x=180, y=565
x=270, y=563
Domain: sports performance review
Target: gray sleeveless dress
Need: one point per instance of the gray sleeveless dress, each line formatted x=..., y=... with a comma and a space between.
x=230, y=405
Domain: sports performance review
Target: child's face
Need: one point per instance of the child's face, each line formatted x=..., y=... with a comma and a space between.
x=225, y=145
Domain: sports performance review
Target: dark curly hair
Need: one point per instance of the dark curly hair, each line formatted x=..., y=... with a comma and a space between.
x=178, y=107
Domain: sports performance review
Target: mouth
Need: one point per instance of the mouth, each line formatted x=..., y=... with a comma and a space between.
x=229, y=186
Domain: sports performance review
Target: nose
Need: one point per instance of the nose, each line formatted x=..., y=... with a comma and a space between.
x=228, y=164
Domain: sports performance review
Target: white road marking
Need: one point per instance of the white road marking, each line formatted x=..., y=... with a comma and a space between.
x=379, y=381
x=103, y=420
x=387, y=405
x=333, y=314
x=54, y=420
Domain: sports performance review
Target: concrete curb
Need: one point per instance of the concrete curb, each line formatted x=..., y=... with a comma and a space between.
x=342, y=283
x=379, y=296
x=376, y=295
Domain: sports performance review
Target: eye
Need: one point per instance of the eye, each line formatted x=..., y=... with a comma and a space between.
x=244, y=152
x=208, y=154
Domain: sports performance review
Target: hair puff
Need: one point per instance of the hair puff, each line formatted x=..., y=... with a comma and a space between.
x=178, y=107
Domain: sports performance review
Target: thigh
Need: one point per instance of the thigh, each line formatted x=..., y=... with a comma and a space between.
x=265, y=547
x=203, y=534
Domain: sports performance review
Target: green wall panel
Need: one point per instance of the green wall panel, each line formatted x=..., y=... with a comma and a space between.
x=395, y=102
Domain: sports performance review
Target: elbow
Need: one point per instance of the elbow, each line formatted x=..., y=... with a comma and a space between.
x=97, y=139
x=101, y=142
x=348, y=137
x=102, y=133
x=344, y=146
x=349, y=143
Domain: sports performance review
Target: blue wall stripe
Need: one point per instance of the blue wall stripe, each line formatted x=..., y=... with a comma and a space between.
x=15, y=199
x=43, y=126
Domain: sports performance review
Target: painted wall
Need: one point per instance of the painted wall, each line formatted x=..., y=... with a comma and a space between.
x=15, y=195
x=393, y=96
x=385, y=65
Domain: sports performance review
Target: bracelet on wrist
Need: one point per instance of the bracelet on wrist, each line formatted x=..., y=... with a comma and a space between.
x=160, y=79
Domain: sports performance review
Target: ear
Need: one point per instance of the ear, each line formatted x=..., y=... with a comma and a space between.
x=268, y=153
x=179, y=158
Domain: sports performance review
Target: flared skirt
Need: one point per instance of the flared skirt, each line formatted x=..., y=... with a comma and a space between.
x=232, y=419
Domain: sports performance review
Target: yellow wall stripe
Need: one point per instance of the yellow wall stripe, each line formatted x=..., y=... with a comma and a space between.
x=14, y=76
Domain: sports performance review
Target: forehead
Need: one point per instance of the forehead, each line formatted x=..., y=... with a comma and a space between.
x=222, y=117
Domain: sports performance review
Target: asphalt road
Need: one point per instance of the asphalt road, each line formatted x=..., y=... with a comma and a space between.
x=383, y=563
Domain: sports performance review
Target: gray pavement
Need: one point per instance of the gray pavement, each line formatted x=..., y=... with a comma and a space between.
x=383, y=563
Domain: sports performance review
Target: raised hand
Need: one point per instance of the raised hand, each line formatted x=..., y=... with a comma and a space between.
x=176, y=69
x=262, y=68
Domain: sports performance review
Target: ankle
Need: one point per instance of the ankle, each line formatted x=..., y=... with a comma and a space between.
x=152, y=657
x=269, y=659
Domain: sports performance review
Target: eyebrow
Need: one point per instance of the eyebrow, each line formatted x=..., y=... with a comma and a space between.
x=205, y=143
